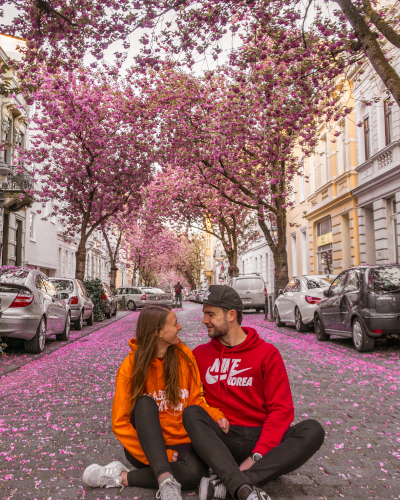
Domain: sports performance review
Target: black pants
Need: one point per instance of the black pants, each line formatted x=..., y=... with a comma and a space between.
x=187, y=470
x=225, y=452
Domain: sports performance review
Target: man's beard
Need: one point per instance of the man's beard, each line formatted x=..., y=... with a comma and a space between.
x=219, y=331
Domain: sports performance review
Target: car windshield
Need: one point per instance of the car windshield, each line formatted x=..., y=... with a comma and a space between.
x=385, y=279
x=318, y=283
x=14, y=275
x=66, y=286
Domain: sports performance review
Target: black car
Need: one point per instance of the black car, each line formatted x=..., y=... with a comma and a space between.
x=362, y=303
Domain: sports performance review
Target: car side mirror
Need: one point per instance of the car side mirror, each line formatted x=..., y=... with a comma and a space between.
x=327, y=292
x=280, y=292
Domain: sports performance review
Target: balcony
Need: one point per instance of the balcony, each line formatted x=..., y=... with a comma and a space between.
x=18, y=183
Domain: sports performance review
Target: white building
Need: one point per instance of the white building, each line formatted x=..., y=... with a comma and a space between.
x=258, y=259
x=378, y=167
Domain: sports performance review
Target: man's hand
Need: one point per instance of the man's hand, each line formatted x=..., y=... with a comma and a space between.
x=174, y=457
x=223, y=425
x=246, y=464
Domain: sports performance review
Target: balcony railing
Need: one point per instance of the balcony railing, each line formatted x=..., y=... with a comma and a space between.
x=19, y=181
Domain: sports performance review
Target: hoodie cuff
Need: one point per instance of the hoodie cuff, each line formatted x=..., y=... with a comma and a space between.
x=262, y=450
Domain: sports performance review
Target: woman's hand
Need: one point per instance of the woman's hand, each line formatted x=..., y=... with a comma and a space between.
x=174, y=457
x=223, y=425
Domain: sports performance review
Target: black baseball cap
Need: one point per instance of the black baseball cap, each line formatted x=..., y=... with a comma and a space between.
x=223, y=296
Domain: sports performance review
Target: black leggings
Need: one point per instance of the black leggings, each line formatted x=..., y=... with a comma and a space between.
x=187, y=470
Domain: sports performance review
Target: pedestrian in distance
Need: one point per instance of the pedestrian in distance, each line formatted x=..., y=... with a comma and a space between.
x=155, y=382
x=247, y=378
x=178, y=294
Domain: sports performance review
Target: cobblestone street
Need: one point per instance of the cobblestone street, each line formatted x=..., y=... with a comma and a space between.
x=56, y=414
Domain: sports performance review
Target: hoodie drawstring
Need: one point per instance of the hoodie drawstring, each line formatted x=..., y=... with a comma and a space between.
x=220, y=370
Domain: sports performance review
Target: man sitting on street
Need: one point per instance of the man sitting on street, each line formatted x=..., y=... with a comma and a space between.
x=244, y=377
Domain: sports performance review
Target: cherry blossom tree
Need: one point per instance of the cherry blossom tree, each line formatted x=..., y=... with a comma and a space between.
x=236, y=129
x=90, y=150
x=185, y=201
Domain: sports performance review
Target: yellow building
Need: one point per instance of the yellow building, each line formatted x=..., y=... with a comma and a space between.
x=322, y=227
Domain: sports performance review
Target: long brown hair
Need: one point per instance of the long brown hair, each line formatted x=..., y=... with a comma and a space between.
x=151, y=321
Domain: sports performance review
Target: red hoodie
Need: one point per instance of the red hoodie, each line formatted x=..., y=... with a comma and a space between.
x=250, y=385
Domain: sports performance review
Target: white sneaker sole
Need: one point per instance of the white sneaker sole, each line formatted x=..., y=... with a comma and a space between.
x=203, y=488
x=88, y=470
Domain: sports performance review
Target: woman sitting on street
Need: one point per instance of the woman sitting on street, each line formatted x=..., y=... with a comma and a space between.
x=155, y=382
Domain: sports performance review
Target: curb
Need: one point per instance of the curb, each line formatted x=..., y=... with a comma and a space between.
x=12, y=368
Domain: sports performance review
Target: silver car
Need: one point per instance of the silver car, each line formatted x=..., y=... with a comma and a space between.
x=109, y=301
x=251, y=289
x=165, y=297
x=152, y=296
x=295, y=305
x=31, y=308
x=79, y=302
x=134, y=297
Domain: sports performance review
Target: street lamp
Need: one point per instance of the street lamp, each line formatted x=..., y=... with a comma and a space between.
x=4, y=172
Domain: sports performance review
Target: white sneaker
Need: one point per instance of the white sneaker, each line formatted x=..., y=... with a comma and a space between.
x=108, y=476
x=169, y=490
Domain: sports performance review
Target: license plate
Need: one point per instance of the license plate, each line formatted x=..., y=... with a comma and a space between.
x=246, y=300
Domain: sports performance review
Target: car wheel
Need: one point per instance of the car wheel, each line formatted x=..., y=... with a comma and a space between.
x=300, y=326
x=131, y=305
x=361, y=341
x=278, y=321
x=115, y=311
x=36, y=345
x=258, y=310
x=78, y=325
x=90, y=320
x=108, y=314
x=64, y=336
x=320, y=330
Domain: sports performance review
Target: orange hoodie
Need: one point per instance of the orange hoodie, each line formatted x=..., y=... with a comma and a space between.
x=191, y=393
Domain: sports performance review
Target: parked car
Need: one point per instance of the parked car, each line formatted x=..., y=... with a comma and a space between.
x=32, y=309
x=363, y=303
x=79, y=302
x=296, y=304
x=152, y=295
x=135, y=296
x=200, y=295
x=192, y=296
x=110, y=301
x=251, y=289
x=165, y=298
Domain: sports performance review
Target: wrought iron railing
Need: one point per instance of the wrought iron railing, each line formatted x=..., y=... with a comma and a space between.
x=19, y=181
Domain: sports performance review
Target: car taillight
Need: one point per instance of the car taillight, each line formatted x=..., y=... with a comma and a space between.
x=171, y=297
x=376, y=331
x=73, y=300
x=265, y=292
x=143, y=297
x=105, y=296
x=23, y=299
x=312, y=300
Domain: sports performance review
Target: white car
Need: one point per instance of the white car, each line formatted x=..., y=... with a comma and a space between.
x=295, y=305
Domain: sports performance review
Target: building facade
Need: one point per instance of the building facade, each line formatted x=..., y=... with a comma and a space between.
x=378, y=168
x=258, y=258
x=322, y=226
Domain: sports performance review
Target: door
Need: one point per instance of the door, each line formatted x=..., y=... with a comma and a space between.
x=257, y=291
x=48, y=309
x=351, y=298
x=87, y=303
x=330, y=308
x=292, y=298
x=243, y=288
x=57, y=307
x=285, y=301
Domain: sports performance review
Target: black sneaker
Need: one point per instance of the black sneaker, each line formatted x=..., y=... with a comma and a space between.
x=212, y=488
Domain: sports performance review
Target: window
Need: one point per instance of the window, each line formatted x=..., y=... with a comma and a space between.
x=324, y=246
x=367, y=138
x=341, y=152
x=243, y=284
x=256, y=284
x=207, y=240
x=289, y=287
x=51, y=289
x=337, y=285
x=208, y=262
x=324, y=158
x=32, y=226
x=352, y=282
x=303, y=252
x=318, y=283
x=388, y=121
x=294, y=254
x=296, y=286
x=39, y=283
x=302, y=185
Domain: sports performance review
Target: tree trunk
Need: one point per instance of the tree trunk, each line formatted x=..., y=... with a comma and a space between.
x=114, y=270
x=372, y=48
x=80, y=260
